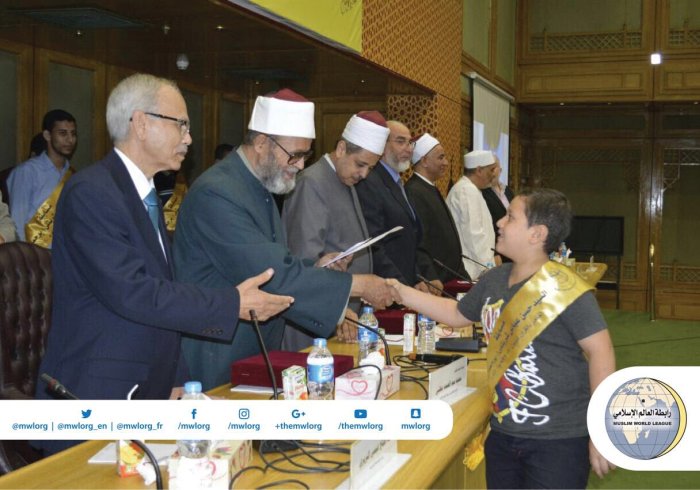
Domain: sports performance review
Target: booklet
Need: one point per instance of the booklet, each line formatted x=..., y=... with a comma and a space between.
x=361, y=245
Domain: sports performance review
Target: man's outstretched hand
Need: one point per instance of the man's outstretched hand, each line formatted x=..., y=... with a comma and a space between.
x=265, y=304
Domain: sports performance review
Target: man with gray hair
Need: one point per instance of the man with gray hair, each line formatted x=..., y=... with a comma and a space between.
x=117, y=312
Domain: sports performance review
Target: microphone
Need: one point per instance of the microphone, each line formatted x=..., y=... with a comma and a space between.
x=57, y=388
x=452, y=271
x=263, y=349
x=475, y=261
x=432, y=286
x=387, y=357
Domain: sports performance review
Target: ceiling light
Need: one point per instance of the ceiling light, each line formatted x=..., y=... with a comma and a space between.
x=655, y=58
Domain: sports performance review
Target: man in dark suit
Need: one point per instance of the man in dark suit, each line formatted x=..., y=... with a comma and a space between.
x=440, y=236
x=385, y=205
x=117, y=313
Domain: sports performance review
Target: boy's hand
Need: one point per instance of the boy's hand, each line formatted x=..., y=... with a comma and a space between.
x=599, y=464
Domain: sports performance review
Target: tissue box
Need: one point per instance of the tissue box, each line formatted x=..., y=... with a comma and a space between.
x=226, y=459
x=362, y=385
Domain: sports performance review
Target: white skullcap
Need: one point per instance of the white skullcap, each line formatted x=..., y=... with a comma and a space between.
x=423, y=146
x=283, y=113
x=368, y=130
x=478, y=158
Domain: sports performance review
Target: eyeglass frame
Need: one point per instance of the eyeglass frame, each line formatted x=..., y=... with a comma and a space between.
x=293, y=157
x=401, y=141
x=184, y=124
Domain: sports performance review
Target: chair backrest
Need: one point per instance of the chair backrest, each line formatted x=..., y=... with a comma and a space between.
x=25, y=316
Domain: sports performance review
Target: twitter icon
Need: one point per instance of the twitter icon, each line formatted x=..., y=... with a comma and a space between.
x=86, y=413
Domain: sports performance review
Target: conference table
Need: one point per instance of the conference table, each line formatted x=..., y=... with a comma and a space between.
x=432, y=464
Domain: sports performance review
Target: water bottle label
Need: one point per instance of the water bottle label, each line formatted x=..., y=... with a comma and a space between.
x=364, y=335
x=320, y=373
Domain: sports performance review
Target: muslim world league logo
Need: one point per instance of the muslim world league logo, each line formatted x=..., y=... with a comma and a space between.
x=645, y=418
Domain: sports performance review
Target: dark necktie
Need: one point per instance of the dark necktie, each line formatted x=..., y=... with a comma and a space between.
x=151, y=202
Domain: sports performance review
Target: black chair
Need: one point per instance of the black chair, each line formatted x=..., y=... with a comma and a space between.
x=25, y=318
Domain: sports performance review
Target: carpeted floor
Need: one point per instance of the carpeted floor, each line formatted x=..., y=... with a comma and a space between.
x=640, y=342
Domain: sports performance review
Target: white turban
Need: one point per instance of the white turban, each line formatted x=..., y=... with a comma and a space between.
x=368, y=130
x=478, y=158
x=423, y=146
x=283, y=113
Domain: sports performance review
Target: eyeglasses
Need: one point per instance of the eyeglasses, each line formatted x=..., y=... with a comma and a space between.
x=184, y=124
x=404, y=141
x=293, y=157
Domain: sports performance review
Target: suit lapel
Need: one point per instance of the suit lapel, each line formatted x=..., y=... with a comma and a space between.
x=394, y=190
x=139, y=214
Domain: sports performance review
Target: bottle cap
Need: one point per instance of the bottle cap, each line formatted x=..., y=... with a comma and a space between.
x=193, y=387
x=367, y=309
x=423, y=318
x=320, y=343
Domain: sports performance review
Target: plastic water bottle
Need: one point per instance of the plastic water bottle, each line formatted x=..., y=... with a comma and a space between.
x=320, y=374
x=196, y=448
x=367, y=340
x=426, y=335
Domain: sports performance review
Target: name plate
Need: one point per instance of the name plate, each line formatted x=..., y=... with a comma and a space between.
x=372, y=463
x=449, y=383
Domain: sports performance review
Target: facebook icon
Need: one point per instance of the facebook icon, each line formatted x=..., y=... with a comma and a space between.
x=194, y=413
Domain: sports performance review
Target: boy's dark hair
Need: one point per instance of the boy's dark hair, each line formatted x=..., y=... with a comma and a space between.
x=54, y=116
x=222, y=150
x=550, y=208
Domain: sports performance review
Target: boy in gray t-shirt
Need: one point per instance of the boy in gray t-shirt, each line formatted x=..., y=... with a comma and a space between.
x=539, y=437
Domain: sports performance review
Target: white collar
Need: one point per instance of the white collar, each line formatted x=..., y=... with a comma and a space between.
x=143, y=184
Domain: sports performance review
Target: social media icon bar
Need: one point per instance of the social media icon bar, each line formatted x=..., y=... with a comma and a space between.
x=224, y=419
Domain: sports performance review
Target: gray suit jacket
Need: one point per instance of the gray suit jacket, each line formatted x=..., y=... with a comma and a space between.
x=322, y=216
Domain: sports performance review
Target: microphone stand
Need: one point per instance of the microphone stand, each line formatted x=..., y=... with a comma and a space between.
x=434, y=287
x=266, y=357
x=475, y=261
x=387, y=357
x=56, y=387
x=453, y=272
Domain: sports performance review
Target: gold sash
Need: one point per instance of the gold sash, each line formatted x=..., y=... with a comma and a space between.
x=532, y=309
x=39, y=229
x=173, y=205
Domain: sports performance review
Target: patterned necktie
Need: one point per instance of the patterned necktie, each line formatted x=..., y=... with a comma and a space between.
x=151, y=202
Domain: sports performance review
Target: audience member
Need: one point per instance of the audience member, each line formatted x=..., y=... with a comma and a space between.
x=35, y=185
x=497, y=197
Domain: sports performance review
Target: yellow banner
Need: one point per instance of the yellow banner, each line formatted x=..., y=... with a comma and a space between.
x=338, y=20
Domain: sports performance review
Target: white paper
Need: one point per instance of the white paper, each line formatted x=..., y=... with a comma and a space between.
x=108, y=454
x=361, y=245
x=372, y=463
